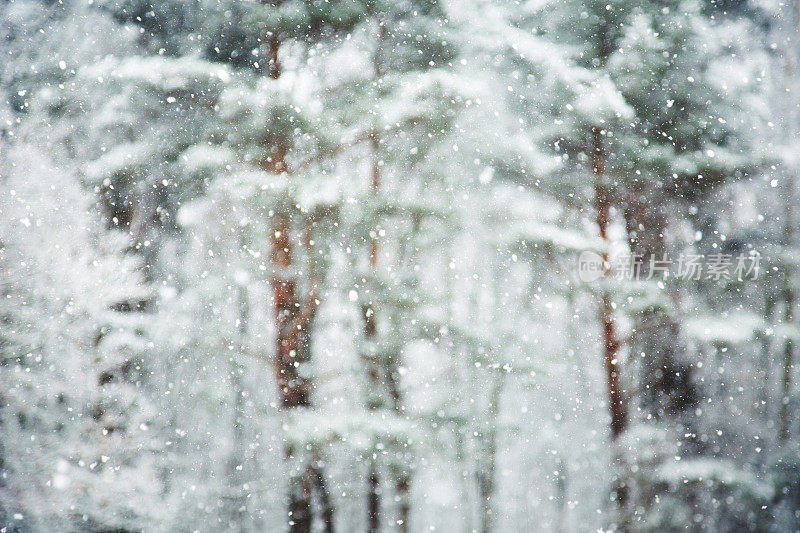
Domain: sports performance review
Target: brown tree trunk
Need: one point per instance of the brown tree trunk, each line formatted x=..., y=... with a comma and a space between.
x=274, y=44
x=293, y=321
x=293, y=317
x=375, y=365
x=372, y=360
x=610, y=350
x=616, y=401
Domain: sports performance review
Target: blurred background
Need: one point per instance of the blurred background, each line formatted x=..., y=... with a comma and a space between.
x=313, y=265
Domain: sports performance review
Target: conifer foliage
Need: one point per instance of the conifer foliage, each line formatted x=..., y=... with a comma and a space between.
x=419, y=265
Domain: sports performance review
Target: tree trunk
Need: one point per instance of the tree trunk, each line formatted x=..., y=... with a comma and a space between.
x=324, y=499
x=372, y=359
x=788, y=237
x=300, y=519
x=293, y=322
x=788, y=363
x=403, y=488
x=616, y=401
x=274, y=44
x=666, y=381
x=486, y=475
x=373, y=499
x=402, y=474
x=236, y=465
x=293, y=319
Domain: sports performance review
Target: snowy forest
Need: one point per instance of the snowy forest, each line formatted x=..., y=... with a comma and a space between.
x=399, y=266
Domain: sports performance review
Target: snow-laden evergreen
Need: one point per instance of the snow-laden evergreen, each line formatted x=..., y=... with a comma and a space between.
x=398, y=266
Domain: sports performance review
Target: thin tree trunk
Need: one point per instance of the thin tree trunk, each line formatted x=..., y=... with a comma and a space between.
x=616, y=400
x=402, y=475
x=373, y=499
x=238, y=501
x=235, y=469
x=561, y=494
x=788, y=240
x=403, y=488
x=274, y=44
x=486, y=475
x=377, y=374
x=325, y=499
x=788, y=363
x=619, y=418
x=375, y=396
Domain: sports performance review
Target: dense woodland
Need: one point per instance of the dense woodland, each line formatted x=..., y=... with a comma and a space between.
x=316, y=265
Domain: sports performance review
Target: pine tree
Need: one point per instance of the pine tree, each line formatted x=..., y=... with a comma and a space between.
x=400, y=97
x=75, y=344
